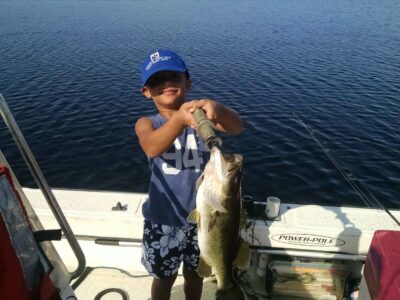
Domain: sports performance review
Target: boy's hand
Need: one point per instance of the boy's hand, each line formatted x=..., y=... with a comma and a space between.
x=211, y=108
x=185, y=114
x=224, y=118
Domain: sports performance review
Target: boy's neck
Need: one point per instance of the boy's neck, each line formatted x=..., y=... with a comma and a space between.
x=167, y=113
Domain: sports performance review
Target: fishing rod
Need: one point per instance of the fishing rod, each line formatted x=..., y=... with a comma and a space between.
x=361, y=189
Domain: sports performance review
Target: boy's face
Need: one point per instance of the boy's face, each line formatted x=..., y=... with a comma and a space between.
x=167, y=88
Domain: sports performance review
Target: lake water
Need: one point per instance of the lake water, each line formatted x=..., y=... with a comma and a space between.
x=70, y=73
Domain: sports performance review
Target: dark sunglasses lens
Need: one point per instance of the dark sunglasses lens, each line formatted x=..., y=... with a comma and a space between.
x=163, y=77
x=153, y=81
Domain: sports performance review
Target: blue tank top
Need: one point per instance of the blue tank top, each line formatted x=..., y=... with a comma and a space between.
x=172, y=190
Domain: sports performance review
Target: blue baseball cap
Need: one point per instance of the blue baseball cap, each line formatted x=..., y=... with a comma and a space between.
x=161, y=60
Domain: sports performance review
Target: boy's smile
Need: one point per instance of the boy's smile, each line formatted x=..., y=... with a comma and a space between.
x=167, y=89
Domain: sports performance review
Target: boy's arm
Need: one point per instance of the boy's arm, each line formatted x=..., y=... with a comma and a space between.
x=225, y=119
x=156, y=141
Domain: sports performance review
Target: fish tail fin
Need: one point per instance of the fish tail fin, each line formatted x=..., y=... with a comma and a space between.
x=231, y=293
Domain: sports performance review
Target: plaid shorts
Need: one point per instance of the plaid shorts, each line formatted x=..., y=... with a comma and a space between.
x=164, y=247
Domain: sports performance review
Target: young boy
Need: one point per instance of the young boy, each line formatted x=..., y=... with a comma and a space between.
x=177, y=158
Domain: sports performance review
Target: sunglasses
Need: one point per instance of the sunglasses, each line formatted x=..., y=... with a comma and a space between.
x=162, y=77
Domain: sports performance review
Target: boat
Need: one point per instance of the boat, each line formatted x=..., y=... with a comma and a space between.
x=299, y=252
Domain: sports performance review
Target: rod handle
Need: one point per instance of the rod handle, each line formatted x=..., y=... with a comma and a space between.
x=206, y=129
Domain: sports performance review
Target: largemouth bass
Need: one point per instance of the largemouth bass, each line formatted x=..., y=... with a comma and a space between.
x=218, y=214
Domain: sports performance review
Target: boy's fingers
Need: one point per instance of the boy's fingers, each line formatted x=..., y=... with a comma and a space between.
x=201, y=103
x=197, y=103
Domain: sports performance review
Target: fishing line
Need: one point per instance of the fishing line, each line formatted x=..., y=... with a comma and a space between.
x=361, y=189
x=342, y=171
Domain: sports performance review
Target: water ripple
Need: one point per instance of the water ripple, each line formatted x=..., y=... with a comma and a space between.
x=70, y=72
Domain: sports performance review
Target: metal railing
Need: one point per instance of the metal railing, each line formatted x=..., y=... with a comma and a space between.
x=43, y=185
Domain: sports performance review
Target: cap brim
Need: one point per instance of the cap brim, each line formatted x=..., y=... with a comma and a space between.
x=162, y=68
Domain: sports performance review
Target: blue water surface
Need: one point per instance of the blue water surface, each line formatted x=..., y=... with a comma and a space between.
x=70, y=73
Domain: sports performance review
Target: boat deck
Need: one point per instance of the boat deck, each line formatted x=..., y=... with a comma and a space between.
x=111, y=239
x=136, y=285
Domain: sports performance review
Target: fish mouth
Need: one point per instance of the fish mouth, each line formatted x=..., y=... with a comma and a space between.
x=233, y=168
x=226, y=164
x=233, y=162
x=232, y=158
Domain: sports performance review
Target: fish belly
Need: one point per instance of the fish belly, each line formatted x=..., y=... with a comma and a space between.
x=218, y=243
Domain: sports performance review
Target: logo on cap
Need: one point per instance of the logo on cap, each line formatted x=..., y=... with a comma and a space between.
x=155, y=57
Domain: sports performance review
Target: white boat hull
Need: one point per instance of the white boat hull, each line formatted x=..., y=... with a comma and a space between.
x=111, y=238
